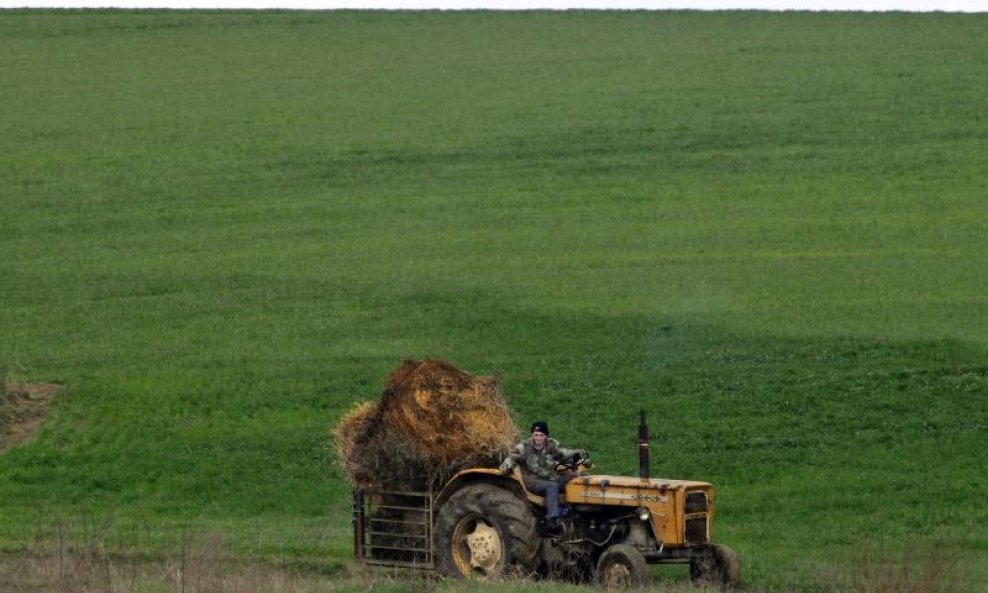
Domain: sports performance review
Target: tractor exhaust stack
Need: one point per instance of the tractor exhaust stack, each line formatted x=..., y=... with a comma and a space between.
x=643, y=464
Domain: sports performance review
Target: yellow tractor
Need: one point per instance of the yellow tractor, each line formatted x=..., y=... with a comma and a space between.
x=484, y=524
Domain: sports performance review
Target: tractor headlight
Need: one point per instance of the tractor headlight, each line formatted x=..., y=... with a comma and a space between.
x=644, y=514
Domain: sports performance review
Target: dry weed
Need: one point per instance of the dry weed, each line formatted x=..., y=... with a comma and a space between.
x=56, y=563
x=918, y=570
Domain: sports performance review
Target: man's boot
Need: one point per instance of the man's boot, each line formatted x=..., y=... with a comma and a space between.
x=553, y=526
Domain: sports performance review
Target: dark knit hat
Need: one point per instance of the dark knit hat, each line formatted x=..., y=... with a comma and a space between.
x=540, y=426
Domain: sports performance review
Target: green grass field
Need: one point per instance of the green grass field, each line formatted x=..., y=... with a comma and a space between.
x=219, y=231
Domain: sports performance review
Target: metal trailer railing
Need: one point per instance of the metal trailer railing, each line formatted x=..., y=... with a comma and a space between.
x=393, y=528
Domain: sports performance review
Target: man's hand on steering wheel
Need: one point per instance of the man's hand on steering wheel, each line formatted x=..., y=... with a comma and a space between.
x=574, y=462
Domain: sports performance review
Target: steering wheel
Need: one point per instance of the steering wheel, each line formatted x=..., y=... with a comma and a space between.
x=575, y=463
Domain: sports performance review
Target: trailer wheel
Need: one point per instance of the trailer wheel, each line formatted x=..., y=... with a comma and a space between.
x=484, y=531
x=621, y=565
x=716, y=566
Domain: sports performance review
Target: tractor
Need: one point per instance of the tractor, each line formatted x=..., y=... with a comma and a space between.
x=483, y=524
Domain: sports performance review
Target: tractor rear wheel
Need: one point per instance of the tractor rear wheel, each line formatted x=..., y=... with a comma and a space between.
x=717, y=566
x=621, y=565
x=485, y=531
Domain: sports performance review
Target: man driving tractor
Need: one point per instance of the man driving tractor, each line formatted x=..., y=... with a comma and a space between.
x=486, y=522
x=539, y=457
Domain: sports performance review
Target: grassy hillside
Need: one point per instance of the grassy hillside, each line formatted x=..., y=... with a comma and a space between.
x=221, y=230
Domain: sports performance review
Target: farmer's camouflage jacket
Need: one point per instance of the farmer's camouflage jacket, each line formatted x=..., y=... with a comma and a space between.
x=540, y=464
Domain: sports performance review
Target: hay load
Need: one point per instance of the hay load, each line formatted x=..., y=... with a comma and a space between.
x=431, y=420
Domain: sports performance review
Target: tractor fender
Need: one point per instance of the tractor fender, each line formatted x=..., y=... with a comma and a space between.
x=495, y=477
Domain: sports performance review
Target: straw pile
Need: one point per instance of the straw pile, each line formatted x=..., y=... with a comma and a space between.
x=431, y=420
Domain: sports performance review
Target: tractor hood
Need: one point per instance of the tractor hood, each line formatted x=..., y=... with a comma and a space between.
x=680, y=511
x=630, y=491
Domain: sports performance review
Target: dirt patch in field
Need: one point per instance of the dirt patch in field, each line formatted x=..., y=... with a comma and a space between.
x=23, y=409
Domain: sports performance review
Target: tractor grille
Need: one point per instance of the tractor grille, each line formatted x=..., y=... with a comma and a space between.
x=696, y=530
x=696, y=502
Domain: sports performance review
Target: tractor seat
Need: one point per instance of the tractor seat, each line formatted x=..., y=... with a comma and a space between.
x=531, y=496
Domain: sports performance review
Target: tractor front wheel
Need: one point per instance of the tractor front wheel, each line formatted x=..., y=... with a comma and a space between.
x=483, y=531
x=716, y=566
x=621, y=565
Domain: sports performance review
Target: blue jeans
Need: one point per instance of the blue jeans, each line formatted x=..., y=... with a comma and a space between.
x=550, y=490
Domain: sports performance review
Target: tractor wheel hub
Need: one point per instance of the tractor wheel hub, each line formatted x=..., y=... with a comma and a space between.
x=485, y=548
